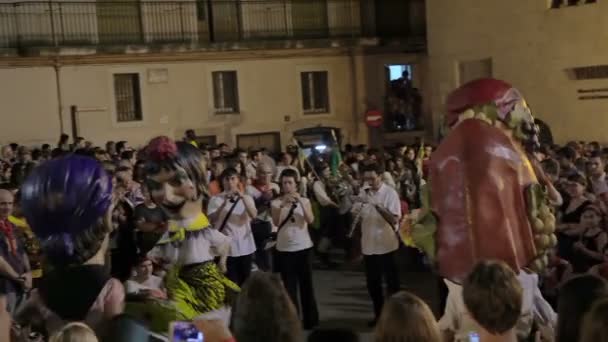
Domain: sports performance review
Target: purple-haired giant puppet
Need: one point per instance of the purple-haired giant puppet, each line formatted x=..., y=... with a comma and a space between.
x=176, y=178
x=67, y=202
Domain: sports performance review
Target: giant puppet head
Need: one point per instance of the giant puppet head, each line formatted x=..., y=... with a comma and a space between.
x=67, y=203
x=176, y=177
x=483, y=200
x=497, y=103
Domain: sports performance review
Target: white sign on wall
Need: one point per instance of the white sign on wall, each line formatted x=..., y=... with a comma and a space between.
x=158, y=75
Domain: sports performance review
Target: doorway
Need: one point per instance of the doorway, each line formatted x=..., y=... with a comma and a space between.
x=271, y=141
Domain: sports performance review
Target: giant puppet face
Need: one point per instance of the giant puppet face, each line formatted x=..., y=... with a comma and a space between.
x=497, y=103
x=485, y=199
x=175, y=177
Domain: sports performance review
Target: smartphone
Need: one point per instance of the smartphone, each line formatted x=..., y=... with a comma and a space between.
x=185, y=332
x=473, y=337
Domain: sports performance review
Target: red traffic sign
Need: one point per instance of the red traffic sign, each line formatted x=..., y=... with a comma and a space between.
x=373, y=118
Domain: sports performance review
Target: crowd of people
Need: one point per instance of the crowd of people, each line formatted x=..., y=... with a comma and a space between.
x=227, y=237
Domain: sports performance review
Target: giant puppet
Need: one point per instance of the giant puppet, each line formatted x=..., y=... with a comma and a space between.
x=486, y=196
x=176, y=179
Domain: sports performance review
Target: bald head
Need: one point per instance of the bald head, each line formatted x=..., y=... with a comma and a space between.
x=6, y=203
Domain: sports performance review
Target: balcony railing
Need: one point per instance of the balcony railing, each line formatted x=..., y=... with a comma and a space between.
x=83, y=23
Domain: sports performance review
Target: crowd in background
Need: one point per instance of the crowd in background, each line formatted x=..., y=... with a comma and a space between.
x=329, y=181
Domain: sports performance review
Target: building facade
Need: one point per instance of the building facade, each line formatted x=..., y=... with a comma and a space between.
x=249, y=73
x=551, y=50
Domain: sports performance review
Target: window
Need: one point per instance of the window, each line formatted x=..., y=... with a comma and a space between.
x=564, y=3
x=315, y=98
x=225, y=92
x=128, y=97
x=201, y=10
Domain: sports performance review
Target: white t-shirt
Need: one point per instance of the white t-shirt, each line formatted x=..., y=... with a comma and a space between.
x=198, y=247
x=293, y=236
x=377, y=235
x=238, y=225
x=152, y=283
x=534, y=308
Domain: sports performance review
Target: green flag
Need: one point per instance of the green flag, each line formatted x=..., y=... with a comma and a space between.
x=336, y=160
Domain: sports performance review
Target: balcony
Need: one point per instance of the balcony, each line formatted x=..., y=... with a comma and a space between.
x=204, y=23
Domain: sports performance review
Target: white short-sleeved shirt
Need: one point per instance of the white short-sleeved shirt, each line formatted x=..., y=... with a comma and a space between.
x=152, y=283
x=198, y=247
x=238, y=225
x=377, y=235
x=534, y=307
x=293, y=236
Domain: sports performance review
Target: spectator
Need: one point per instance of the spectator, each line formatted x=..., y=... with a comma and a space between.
x=595, y=323
x=589, y=249
x=575, y=300
x=569, y=230
x=333, y=335
x=64, y=143
x=567, y=156
x=190, y=137
x=458, y=322
x=8, y=156
x=15, y=276
x=493, y=296
x=264, y=312
x=74, y=332
x=144, y=284
x=150, y=222
x=406, y=317
x=263, y=191
x=31, y=244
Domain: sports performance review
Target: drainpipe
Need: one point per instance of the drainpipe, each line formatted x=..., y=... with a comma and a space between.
x=57, y=67
x=354, y=89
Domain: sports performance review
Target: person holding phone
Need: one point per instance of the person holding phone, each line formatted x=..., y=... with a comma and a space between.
x=231, y=213
x=292, y=214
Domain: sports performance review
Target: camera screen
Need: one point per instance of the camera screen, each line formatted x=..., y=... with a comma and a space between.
x=186, y=332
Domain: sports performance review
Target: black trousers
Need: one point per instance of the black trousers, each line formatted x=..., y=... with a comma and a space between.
x=296, y=271
x=378, y=267
x=239, y=268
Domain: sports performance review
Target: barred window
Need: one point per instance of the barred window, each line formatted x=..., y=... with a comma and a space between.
x=225, y=92
x=128, y=97
x=315, y=95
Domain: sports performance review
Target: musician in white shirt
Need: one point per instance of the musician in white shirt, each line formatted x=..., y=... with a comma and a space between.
x=381, y=211
x=231, y=213
x=292, y=214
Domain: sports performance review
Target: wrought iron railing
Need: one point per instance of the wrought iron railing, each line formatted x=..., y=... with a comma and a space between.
x=103, y=22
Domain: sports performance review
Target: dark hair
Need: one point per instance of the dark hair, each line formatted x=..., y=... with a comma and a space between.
x=63, y=138
x=289, y=173
x=578, y=178
x=376, y=167
x=333, y=335
x=264, y=312
x=596, y=154
x=550, y=166
x=120, y=146
x=595, y=322
x=575, y=299
x=493, y=296
x=567, y=152
x=127, y=155
x=65, y=202
x=36, y=154
x=227, y=173
x=46, y=146
x=123, y=169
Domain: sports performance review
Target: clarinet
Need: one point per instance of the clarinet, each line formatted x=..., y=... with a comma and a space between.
x=357, y=218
